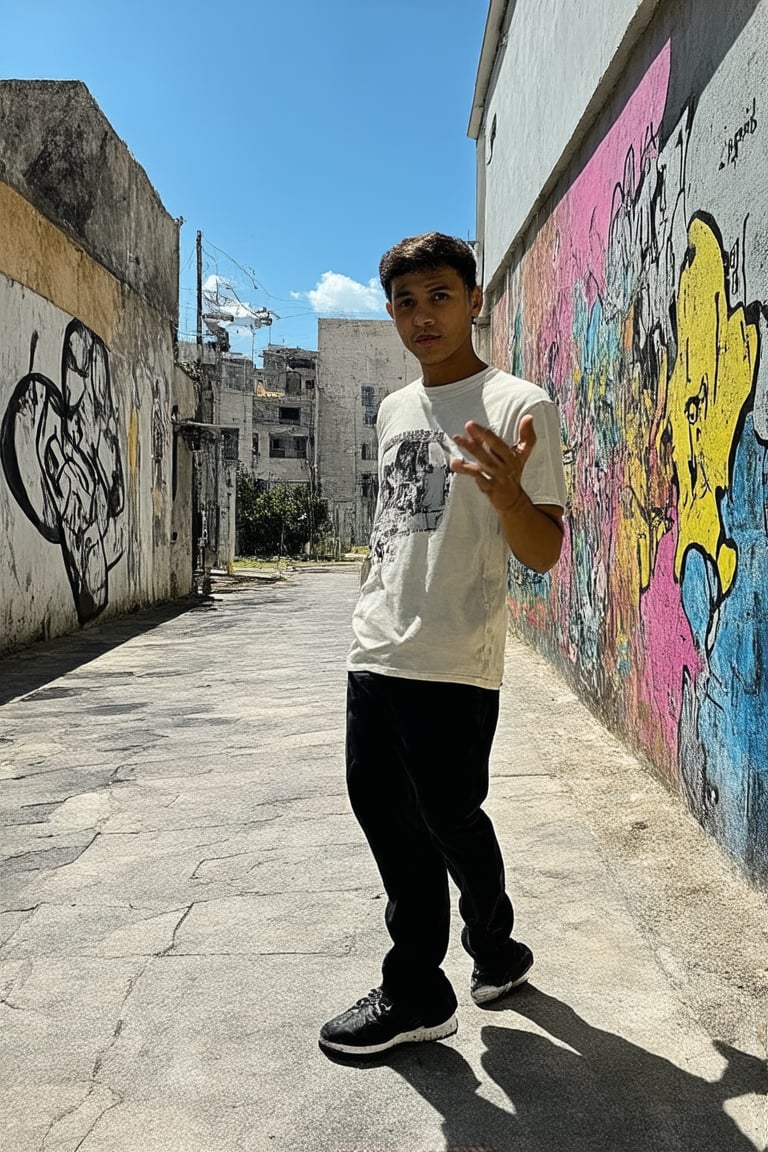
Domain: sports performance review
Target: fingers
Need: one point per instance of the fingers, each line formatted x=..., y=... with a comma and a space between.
x=487, y=440
x=488, y=448
x=493, y=452
x=467, y=468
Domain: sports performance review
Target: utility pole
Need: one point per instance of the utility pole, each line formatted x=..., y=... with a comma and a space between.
x=199, y=246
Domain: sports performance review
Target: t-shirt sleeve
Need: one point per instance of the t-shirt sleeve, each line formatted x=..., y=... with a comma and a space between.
x=543, y=476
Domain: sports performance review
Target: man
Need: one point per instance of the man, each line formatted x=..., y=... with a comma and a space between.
x=426, y=662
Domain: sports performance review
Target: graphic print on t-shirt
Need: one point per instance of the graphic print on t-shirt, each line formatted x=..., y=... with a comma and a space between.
x=415, y=483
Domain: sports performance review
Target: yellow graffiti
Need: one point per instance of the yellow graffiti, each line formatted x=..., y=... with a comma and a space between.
x=642, y=520
x=712, y=379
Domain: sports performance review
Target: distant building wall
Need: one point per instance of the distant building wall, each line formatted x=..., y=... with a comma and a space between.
x=284, y=416
x=235, y=406
x=95, y=497
x=636, y=296
x=359, y=363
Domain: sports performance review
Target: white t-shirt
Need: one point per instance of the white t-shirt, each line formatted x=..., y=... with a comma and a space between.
x=433, y=603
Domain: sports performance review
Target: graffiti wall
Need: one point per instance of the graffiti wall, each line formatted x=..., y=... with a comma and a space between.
x=639, y=301
x=93, y=518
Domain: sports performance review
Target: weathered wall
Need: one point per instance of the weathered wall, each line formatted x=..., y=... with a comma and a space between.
x=286, y=380
x=358, y=363
x=637, y=299
x=95, y=512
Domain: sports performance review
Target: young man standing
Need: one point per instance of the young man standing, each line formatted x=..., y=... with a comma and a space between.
x=428, y=652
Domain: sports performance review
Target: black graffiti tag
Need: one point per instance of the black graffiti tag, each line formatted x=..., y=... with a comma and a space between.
x=61, y=457
x=734, y=144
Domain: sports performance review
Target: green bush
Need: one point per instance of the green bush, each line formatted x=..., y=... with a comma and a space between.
x=276, y=519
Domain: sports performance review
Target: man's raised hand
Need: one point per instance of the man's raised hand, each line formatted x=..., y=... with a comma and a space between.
x=499, y=467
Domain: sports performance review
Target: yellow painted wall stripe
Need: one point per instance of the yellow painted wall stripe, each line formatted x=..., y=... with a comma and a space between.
x=41, y=256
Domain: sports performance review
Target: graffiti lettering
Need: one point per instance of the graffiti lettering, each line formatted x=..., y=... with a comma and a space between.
x=733, y=144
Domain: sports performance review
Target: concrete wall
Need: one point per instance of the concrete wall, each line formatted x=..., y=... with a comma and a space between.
x=359, y=362
x=637, y=298
x=545, y=60
x=95, y=491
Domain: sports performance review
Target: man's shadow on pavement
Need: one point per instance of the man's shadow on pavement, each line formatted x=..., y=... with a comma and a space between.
x=599, y=1094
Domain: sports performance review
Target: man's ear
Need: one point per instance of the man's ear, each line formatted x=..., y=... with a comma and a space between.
x=389, y=309
x=476, y=300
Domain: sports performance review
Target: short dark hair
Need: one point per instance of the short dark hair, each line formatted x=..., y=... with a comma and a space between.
x=422, y=253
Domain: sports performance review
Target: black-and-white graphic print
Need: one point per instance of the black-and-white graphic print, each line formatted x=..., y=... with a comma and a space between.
x=415, y=482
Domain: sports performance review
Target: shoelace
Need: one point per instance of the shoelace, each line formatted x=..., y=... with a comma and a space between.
x=376, y=1001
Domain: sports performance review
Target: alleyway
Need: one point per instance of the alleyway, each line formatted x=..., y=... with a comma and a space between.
x=186, y=898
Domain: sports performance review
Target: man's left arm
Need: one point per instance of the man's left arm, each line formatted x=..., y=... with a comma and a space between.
x=534, y=532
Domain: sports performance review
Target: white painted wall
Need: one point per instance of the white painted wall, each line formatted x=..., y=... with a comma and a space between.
x=551, y=60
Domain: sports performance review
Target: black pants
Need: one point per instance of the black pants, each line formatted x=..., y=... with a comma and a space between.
x=417, y=773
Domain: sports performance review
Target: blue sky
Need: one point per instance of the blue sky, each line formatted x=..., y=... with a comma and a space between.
x=302, y=137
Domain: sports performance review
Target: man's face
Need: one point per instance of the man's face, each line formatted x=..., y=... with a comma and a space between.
x=433, y=312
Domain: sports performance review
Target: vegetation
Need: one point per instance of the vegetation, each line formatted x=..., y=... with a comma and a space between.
x=277, y=519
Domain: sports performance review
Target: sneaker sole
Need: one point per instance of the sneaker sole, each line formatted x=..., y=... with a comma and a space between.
x=486, y=994
x=436, y=1032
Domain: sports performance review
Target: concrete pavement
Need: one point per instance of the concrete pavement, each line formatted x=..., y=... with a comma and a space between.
x=186, y=898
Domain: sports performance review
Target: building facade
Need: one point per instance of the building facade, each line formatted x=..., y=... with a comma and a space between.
x=285, y=416
x=359, y=363
x=95, y=481
x=623, y=231
x=303, y=417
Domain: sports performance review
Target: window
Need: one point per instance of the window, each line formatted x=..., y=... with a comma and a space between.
x=368, y=397
x=368, y=452
x=288, y=447
x=369, y=486
x=229, y=444
x=255, y=443
x=309, y=385
x=289, y=415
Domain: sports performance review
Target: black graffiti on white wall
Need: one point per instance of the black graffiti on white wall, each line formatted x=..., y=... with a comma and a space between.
x=735, y=143
x=61, y=457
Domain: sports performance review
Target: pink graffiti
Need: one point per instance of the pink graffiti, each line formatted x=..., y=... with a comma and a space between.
x=583, y=217
x=668, y=645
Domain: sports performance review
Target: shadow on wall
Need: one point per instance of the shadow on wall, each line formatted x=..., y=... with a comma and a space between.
x=700, y=43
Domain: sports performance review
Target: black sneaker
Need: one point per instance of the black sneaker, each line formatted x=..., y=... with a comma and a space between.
x=376, y=1023
x=492, y=982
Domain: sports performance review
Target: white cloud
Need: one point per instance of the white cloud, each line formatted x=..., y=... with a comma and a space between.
x=336, y=293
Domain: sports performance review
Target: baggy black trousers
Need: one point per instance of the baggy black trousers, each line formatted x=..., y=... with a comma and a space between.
x=417, y=774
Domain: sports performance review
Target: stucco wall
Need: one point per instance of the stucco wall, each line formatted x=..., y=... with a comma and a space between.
x=95, y=488
x=551, y=59
x=638, y=300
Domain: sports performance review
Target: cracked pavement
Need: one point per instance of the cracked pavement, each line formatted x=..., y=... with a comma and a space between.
x=185, y=897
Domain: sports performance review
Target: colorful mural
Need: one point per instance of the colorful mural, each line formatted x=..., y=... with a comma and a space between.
x=639, y=304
